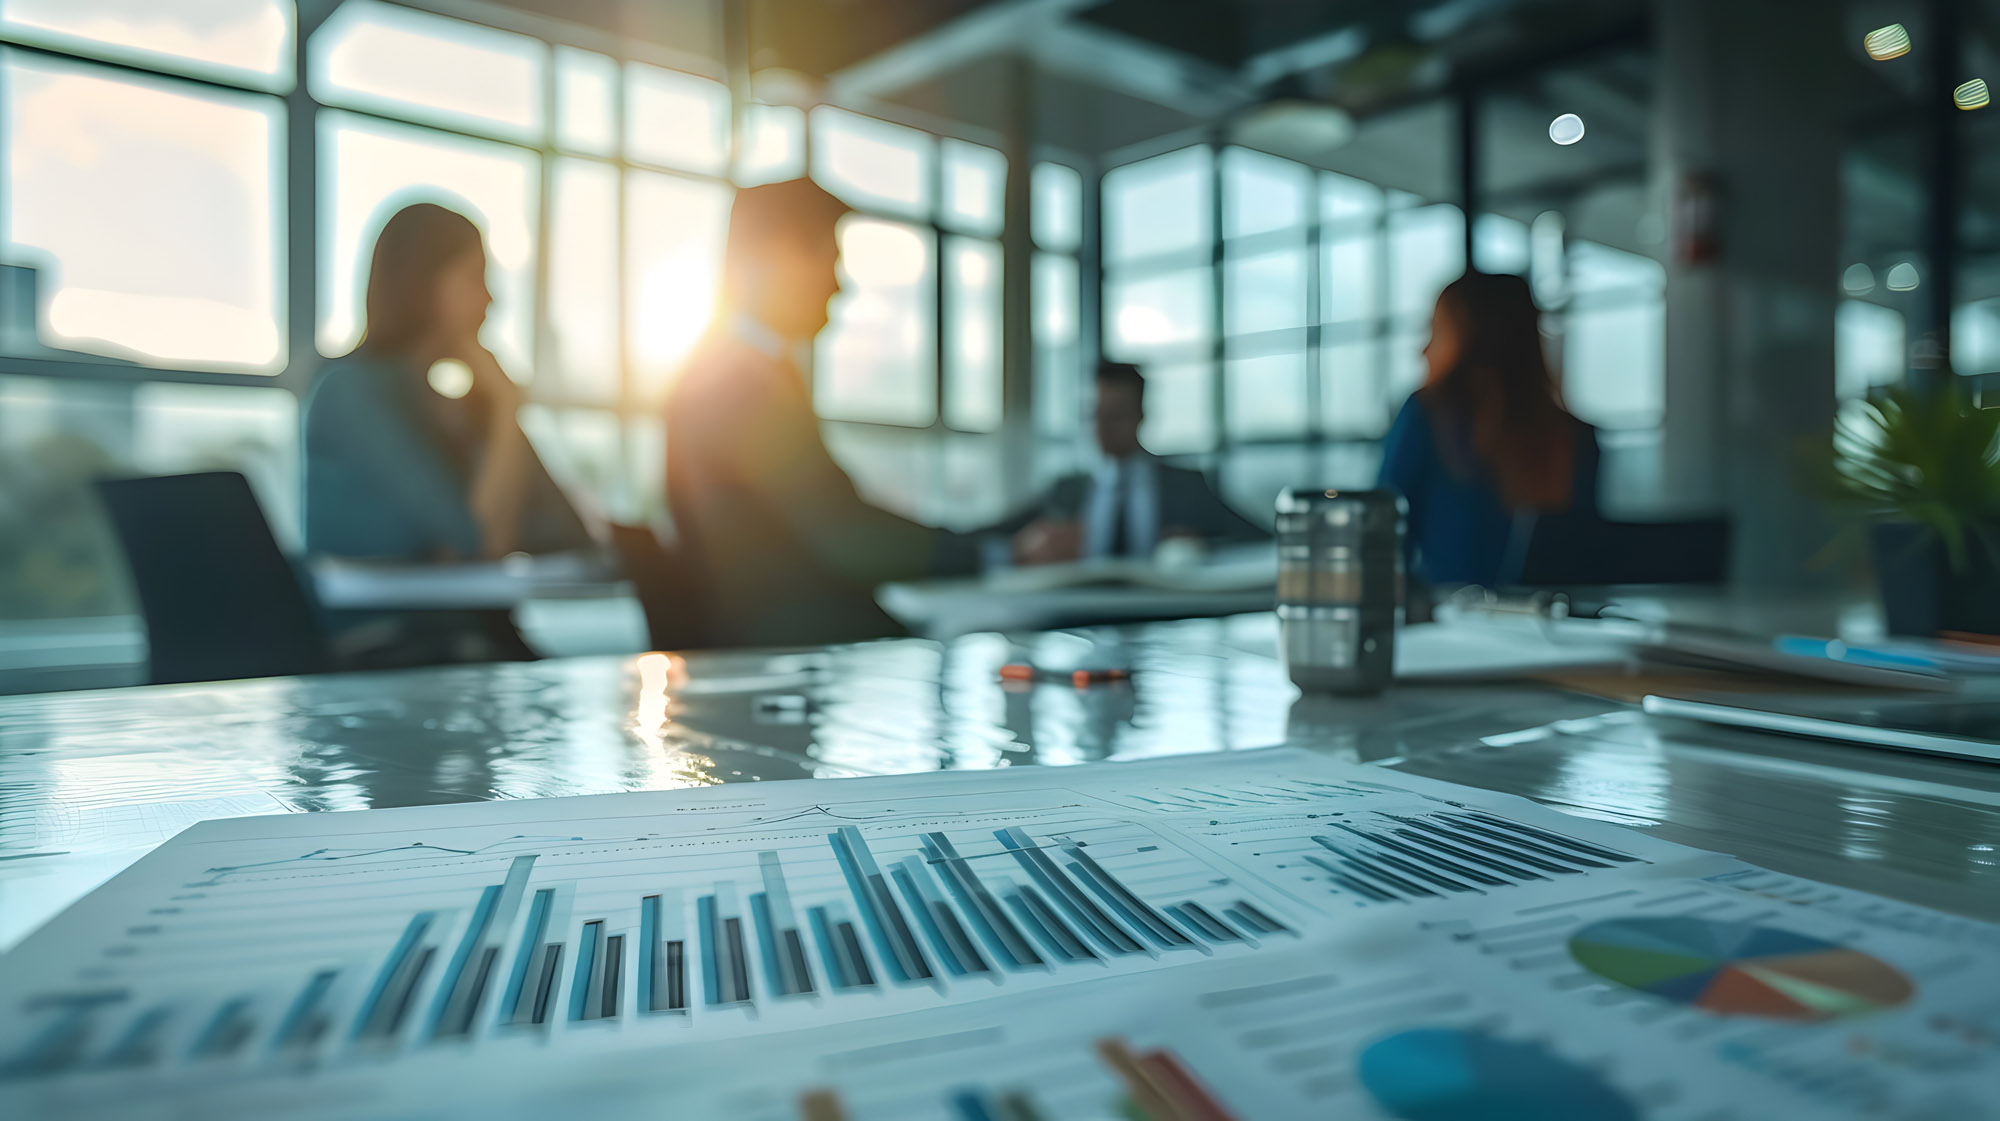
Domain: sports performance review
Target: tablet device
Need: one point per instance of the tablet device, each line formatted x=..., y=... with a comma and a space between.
x=1967, y=728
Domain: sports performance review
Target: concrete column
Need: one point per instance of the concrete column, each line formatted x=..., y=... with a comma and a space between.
x=1747, y=99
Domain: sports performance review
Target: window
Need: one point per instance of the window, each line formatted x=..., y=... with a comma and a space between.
x=674, y=232
x=1155, y=313
x=150, y=213
x=1057, y=207
x=774, y=145
x=877, y=359
x=1058, y=358
x=586, y=101
x=676, y=120
x=1869, y=347
x=243, y=40
x=1158, y=207
x=1263, y=193
x=972, y=335
x=873, y=164
x=1614, y=337
x=975, y=186
x=372, y=168
x=580, y=358
x=382, y=57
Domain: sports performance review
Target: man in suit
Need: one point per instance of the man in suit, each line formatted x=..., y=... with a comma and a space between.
x=784, y=548
x=1130, y=501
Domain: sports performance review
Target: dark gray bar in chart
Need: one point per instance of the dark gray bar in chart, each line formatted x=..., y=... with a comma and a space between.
x=1413, y=852
x=393, y=982
x=878, y=904
x=853, y=961
x=1558, y=839
x=545, y=983
x=736, y=977
x=978, y=902
x=794, y=951
x=1424, y=833
x=459, y=1020
x=1359, y=887
x=1046, y=873
x=305, y=1022
x=231, y=1026
x=1206, y=924
x=1135, y=910
x=1071, y=944
x=141, y=1043
x=614, y=967
x=513, y=1006
x=1406, y=867
x=677, y=1000
x=1257, y=919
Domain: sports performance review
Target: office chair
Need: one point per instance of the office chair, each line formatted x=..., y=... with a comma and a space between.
x=1568, y=551
x=220, y=599
x=668, y=587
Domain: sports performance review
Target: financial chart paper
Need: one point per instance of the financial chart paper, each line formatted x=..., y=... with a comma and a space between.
x=728, y=949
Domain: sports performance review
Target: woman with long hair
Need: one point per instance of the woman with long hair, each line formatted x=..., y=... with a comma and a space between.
x=397, y=471
x=1485, y=447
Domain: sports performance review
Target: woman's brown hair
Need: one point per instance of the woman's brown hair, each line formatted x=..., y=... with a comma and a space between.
x=416, y=244
x=1500, y=399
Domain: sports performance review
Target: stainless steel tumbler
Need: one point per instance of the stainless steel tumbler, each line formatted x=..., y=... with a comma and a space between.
x=1340, y=588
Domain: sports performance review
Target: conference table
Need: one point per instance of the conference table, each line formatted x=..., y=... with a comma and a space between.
x=89, y=781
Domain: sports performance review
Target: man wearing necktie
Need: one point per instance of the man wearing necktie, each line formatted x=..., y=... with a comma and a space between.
x=1130, y=501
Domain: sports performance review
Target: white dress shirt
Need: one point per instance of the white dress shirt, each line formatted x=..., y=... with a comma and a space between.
x=1128, y=490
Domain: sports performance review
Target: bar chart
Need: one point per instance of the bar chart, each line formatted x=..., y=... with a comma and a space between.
x=1203, y=939
x=746, y=921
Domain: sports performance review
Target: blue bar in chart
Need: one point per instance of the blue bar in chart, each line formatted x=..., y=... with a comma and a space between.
x=1129, y=906
x=1087, y=915
x=986, y=914
x=879, y=910
x=229, y=1029
x=589, y=966
x=140, y=1045
x=511, y=1009
x=305, y=1022
x=389, y=997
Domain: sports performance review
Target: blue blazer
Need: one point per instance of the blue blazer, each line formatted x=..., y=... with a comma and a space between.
x=1459, y=530
x=388, y=469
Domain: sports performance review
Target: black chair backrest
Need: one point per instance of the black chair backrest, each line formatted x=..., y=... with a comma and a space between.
x=668, y=588
x=1582, y=551
x=221, y=600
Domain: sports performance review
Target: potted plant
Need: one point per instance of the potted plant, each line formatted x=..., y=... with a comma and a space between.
x=1922, y=468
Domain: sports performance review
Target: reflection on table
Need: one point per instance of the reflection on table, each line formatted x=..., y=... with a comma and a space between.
x=88, y=781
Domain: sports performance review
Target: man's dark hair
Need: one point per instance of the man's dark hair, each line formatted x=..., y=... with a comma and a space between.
x=1125, y=374
x=781, y=212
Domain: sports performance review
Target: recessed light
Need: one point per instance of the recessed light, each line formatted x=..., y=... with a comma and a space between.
x=1566, y=129
x=1972, y=95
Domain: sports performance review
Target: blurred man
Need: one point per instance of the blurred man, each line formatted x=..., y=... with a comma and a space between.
x=1131, y=501
x=784, y=548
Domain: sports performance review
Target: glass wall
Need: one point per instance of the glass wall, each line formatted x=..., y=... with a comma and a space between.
x=144, y=273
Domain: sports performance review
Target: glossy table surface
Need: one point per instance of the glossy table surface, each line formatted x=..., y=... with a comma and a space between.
x=89, y=781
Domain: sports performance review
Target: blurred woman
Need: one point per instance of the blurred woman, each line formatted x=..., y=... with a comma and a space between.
x=395, y=470
x=1485, y=448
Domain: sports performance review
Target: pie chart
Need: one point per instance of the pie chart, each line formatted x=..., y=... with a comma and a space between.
x=1453, y=1074
x=1739, y=969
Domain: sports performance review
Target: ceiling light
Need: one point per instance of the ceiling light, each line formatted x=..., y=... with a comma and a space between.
x=1858, y=280
x=1566, y=129
x=1903, y=277
x=1295, y=127
x=1972, y=95
x=1885, y=43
